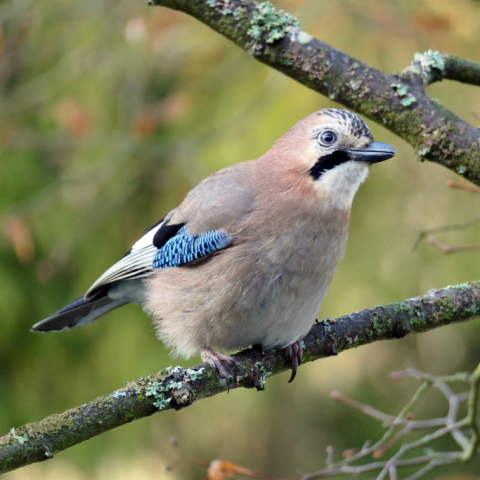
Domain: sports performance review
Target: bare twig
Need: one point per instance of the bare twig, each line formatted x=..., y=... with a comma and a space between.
x=461, y=186
x=430, y=459
x=445, y=228
x=378, y=453
x=464, y=431
x=366, y=409
x=452, y=248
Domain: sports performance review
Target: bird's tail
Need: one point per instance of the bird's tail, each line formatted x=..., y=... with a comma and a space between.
x=79, y=313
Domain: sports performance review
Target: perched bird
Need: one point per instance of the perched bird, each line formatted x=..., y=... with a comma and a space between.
x=247, y=257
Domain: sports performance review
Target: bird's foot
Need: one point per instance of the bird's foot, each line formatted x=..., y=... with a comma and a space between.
x=294, y=354
x=215, y=359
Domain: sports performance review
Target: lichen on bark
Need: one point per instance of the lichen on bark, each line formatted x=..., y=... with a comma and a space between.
x=178, y=387
x=434, y=132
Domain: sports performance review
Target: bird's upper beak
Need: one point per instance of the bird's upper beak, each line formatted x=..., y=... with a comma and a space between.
x=374, y=153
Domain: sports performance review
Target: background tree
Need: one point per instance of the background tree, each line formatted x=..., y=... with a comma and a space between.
x=109, y=113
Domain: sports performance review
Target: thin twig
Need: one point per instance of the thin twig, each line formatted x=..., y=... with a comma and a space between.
x=383, y=417
x=378, y=453
x=452, y=249
x=431, y=459
x=366, y=409
x=461, y=186
x=448, y=425
x=445, y=228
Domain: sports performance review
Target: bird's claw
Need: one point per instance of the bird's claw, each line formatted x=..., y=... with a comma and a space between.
x=215, y=359
x=294, y=354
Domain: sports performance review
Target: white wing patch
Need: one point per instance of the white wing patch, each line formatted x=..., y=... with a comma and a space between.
x=147, y=239
x=137, y=263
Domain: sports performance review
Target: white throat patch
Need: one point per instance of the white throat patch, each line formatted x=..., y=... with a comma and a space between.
x=341, y=183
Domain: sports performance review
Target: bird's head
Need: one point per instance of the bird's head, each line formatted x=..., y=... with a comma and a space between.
x=332, y=149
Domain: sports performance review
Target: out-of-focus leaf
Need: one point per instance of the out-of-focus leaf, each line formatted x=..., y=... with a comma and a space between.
x=18, y=233
x=74, y=118
x=222, y=469
x=429, y=22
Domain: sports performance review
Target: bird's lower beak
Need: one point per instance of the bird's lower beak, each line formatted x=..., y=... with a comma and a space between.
x=374, y=153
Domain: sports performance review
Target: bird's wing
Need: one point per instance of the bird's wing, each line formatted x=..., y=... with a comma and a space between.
x=136, y=263
x=221, y=201
x=200, y=226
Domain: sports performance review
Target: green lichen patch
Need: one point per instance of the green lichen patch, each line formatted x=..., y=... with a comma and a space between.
x=402, y=91
x=118, y=394
x=172, y=381
x=422, y=152
x=430, y=61
x=408, y=100
x=303, y=37
x=159, y=391
x=271, y=25
x=263, y=376
x=21, y=440
x=224, y=7
x=430, y=65
x=194, y=374
x=326, y=325
x=186, y=373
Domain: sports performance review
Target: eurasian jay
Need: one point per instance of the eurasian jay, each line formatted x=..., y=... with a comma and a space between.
x=247, y=257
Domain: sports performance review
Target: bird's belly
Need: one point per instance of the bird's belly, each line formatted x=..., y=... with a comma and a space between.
x=239, y=298
x=277, y=314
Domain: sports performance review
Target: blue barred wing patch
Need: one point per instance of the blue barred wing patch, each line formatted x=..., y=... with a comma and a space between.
x=183, y=248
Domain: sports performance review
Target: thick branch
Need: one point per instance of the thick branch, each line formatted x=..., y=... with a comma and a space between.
x=398, y=102
x=178, y=388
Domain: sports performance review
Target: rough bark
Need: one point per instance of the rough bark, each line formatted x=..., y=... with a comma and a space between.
x=178, y=387
x=399, y=101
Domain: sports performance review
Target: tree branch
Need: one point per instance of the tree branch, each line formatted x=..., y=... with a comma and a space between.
x=399, y=102
x=178, y=387
x=435, y=66
x=462, y=70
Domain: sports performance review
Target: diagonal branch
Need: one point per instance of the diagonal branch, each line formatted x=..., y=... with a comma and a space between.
x=178, y=387
x=398, y=101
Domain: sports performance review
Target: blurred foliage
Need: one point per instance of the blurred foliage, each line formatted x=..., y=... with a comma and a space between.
x=110, y=111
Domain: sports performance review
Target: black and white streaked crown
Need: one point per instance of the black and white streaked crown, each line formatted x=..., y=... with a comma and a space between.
x=350, y=120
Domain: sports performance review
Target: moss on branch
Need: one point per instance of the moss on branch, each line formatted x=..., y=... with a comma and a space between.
x=178, y=387
x=435, y=133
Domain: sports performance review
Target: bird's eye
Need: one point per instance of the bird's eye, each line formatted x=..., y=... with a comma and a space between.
x=327, y=138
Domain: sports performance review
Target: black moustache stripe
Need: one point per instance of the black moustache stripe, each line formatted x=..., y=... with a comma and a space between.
x=327, y=162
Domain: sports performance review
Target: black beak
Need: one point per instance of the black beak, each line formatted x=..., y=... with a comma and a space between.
x=374, y=153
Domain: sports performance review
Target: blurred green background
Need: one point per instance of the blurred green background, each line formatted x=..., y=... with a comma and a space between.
x=110, y=111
